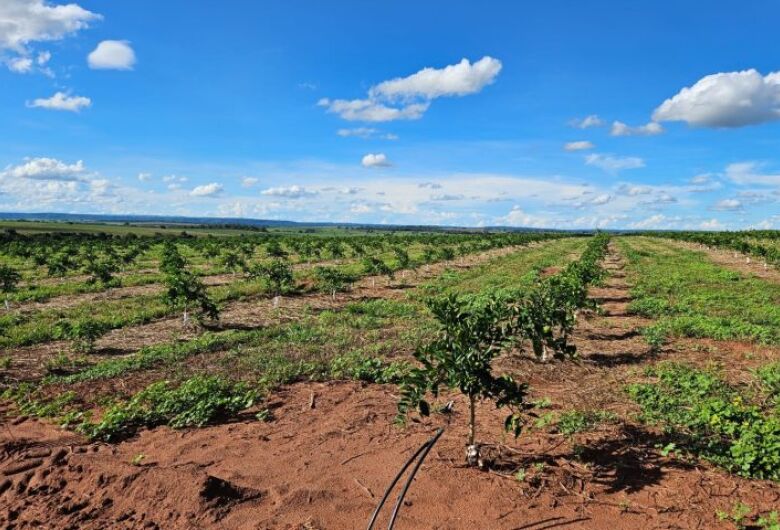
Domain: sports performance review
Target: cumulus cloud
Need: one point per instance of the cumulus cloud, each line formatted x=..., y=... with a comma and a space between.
x=366, y=133
x=61, y=101
x=730, y=99
x=582, y=145
x=429, y=185
x=614, y=164
x=174, y=179
x=633, y=190
x=290, y=192
x=20, y=65
x=25, y=21
x=112, y=55
x=46, y=169
x=459, y=79
x=360, y=208
x=375, y=160
x=649, y=129
x=207, y=190
x=711, y=224
x=370, y=110
x=587, y=122
x=248, y=182
x=144, y=177
x=654, y=221
x=25, y=64
x=728, y=205
x=518, y=217
x=101, y=187
x=751, y=173
x=407, y=98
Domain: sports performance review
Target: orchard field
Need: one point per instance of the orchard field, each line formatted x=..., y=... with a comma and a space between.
x=225, y=378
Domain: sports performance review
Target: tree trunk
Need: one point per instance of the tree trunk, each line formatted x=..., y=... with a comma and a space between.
x=472, y=420
x=7, y=305
x=186, y=317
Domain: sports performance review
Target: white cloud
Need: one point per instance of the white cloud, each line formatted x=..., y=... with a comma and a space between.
x=654, y=221
x=581, y=145
x=366, y=133
x=601, y=199
x=112, y=55
x=730, y=99
x=26, y=21
x=101, y=187
x=248, y=182
x=613, y=164
x=370, y=110
x=587, y=122
x=360, y=208
x=728, y=205
x=664, y=198
x=290, y=192
x=448, y=197
x=634, y=190
x=517, y=217
x=649, y=129
x=712, y=224
x=20, y=65
x=46, y=169
x=703, y=178
x=429, y=185
x=61, y=101
x=375, y=160
x=750, y=173
x=459, y=79
x=174, y=178
x=407, y=98
x=144, y=177
x=207, y=190
x=25, y=64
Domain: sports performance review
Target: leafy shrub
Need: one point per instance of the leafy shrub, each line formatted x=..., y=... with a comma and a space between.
x=82, y=333
x=574, y=421
x=194, y=403
x=769, y=376
x=712, y=419
x=361, y=367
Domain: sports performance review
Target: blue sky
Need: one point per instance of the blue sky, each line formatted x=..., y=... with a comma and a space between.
x=547, y=114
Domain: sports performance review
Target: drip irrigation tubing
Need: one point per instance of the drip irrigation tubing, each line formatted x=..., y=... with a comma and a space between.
x=422, y=452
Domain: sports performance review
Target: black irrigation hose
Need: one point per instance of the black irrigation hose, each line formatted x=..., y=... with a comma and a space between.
x=424, y=449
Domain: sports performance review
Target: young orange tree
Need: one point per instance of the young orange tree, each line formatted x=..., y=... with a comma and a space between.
x=472, y=332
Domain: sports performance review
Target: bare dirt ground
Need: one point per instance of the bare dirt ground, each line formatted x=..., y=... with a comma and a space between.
x=325, y=467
